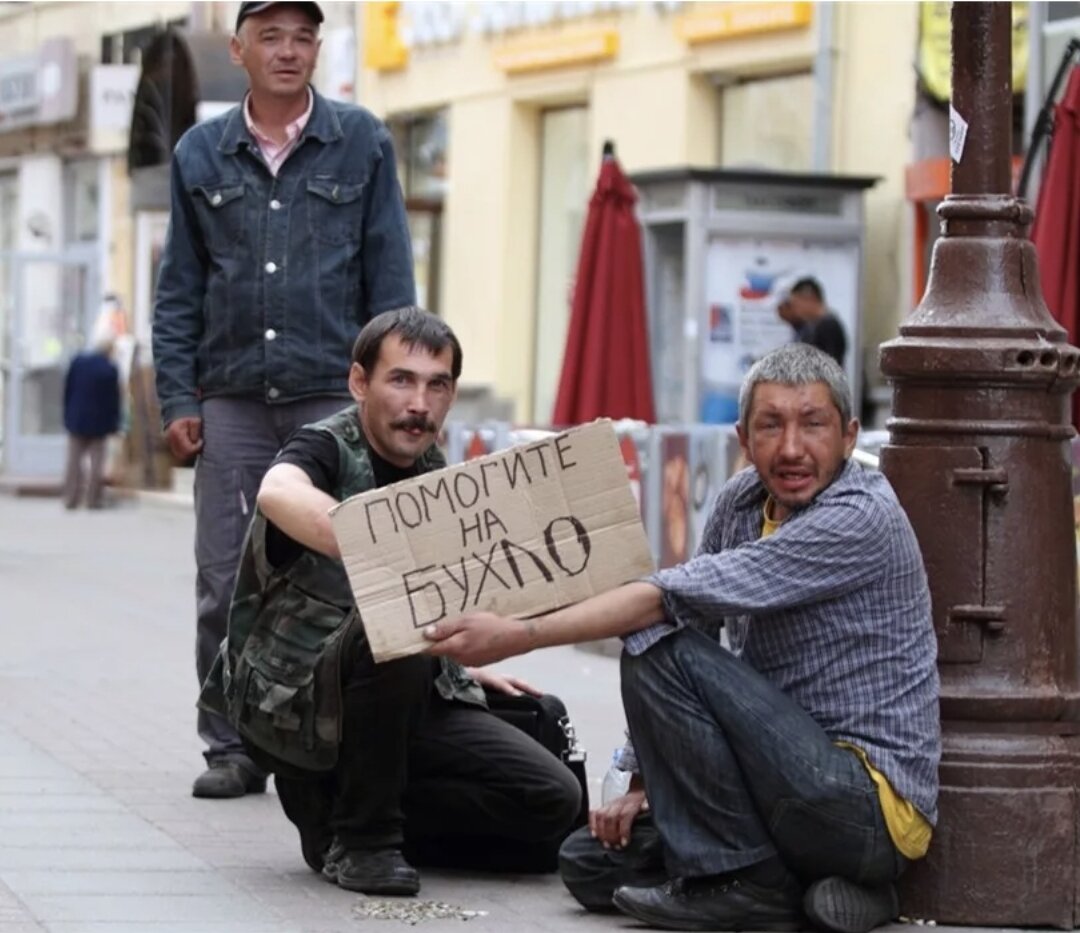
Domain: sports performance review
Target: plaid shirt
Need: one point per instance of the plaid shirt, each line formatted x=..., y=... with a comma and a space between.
x=833, y=608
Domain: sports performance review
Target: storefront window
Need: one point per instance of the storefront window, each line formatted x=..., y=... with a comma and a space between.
x=81, y=193
x=768, y=123
x=564, y=200
x=421, y=146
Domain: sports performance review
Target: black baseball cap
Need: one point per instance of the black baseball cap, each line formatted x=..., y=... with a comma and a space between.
x=249, y=9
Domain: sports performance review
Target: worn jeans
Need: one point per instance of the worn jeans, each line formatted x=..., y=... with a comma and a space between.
x=735, y=773
x=451, y=784
x=240, y=439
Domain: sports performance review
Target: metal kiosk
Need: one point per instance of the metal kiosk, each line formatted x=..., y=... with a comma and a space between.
x=720, y=244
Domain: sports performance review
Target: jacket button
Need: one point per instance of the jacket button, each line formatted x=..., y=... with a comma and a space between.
x=270, y=334
x=271, y=267
x=273, y=393
x=275, y=205
x=216, y=200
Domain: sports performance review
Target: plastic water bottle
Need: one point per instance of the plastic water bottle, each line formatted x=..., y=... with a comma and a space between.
x=616, y=781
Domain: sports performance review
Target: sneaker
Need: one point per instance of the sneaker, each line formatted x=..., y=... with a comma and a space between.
x=717, y=902
x=371, y=871
x=842, y=906
x=225, y=779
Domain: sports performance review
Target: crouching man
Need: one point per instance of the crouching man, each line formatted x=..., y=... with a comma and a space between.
x=796, y=773
x=380, y=767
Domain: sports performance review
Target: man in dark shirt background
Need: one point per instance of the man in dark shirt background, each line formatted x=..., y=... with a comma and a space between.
x=817, y=325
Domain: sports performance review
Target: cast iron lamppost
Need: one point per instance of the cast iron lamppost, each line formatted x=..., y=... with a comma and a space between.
x=979, y=456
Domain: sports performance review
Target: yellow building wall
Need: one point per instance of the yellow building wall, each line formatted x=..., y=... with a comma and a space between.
x=25, y=25
x=658, y=99
x=874, y=98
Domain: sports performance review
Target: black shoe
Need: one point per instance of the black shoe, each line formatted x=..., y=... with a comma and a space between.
x=718, y=902
x=371, y=871
x=316, y=847
x=227, y=779
x=843, y=906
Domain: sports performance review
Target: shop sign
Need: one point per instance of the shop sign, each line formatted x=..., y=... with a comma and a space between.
x=519, y=56
x=40, y=89
x=391, y=30
x=112, y=98
x=712, y=22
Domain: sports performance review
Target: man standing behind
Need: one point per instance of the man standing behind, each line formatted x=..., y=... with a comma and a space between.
x=287, y=234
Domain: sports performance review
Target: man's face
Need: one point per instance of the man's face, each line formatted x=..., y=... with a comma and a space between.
x=786, y=313
x=796, y=441
x=278, y=49
x=804, y=305
x=404, y=400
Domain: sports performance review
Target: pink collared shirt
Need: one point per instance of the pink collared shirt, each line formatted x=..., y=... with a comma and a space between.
x=274, y=153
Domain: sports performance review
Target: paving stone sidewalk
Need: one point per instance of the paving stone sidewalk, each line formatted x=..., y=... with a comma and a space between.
x=98, y=830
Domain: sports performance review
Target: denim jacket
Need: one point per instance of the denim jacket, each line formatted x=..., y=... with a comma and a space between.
x=265, y=282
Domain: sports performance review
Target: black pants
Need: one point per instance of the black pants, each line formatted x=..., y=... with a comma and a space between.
x=450, y=783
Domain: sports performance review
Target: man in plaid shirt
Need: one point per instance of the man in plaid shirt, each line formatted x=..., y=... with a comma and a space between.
x=796, y=773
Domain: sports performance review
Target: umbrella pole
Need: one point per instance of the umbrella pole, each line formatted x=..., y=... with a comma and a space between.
x=1044, y=123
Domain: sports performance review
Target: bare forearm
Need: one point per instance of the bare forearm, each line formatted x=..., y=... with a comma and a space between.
x=625, y=609
x=301, y=512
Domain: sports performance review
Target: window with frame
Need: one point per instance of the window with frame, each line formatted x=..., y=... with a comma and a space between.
x=420, y=143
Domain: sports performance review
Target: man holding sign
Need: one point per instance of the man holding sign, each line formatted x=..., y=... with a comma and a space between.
x=796, y=772
x=374, y=763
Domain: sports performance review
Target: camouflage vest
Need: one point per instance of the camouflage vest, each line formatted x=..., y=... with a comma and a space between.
x=277, y=678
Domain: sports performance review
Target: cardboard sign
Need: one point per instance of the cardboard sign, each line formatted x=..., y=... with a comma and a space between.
x=519, y=532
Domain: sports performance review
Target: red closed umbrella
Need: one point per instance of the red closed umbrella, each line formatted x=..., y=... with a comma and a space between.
x=1056, y=231
x=606, y=370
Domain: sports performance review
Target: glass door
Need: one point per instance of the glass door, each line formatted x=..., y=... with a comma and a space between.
x=53, y=300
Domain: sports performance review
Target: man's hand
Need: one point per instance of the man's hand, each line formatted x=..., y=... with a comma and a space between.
x=512, y=686
x=611, y=824
x=184, y=437
x=480, y=638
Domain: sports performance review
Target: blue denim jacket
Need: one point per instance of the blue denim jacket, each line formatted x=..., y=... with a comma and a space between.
x=265, y=282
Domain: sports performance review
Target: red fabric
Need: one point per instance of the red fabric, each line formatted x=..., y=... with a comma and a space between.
x=606, y=371
x=1056, y=231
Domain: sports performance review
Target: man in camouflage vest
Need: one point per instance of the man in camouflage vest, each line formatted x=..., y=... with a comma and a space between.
x=376, y=765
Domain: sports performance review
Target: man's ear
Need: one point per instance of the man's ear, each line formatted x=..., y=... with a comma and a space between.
x=235, y=50
x=358, y=383
x=851, y=435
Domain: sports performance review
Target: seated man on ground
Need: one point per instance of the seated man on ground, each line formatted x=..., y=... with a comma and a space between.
x=795, y=773
x=378, y=766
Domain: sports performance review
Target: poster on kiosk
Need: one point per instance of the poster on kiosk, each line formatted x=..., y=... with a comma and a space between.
x=744, y=279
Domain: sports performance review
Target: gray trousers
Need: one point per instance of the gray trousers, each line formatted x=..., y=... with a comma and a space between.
x=84, y=448
x=240, y=439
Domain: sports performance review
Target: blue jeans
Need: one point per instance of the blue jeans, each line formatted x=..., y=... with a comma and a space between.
x=736, y=773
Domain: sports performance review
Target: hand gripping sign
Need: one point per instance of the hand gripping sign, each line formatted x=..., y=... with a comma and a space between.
x=520, y=532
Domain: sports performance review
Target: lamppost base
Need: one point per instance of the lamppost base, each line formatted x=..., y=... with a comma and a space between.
x=1005, y=849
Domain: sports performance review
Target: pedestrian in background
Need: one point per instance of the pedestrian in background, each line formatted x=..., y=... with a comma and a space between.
x=91, y=414
x=287, y=234
x=814, y=323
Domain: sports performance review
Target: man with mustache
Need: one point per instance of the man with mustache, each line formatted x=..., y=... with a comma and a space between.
x=376, y=765
x=796, y=771
x=287, y=233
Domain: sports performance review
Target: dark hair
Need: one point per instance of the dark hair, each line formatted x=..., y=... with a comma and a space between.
x=413, y=326
x=811, y=285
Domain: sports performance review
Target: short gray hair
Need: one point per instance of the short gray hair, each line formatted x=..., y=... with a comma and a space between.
x=797, y=364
